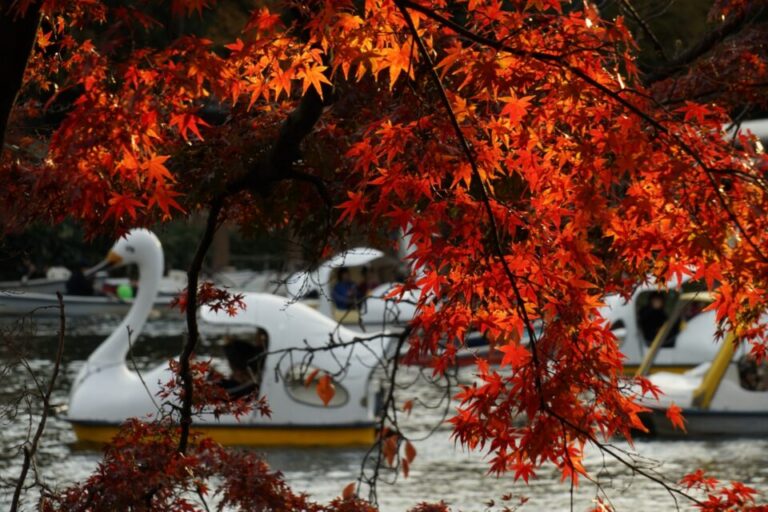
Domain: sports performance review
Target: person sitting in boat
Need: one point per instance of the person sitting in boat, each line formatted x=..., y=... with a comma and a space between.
x=753, y=376
x=368, y=283
x=246, y=361
x=78, y=283
x=344, y=293
x=652, y=316
x=28, y=269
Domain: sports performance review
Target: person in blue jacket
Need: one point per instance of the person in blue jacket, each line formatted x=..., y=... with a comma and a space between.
x=344, y=293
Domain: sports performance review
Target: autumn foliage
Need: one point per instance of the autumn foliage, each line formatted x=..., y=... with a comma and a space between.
x=533, y=164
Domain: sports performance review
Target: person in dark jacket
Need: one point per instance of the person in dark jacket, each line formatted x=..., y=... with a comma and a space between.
x=78, y=283
x=246, y=362
x=652, y=316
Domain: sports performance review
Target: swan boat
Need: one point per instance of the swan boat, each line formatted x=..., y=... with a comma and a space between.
x=299, y=340
x=726, y=396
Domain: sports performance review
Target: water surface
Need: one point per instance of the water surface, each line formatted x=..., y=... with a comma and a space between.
x=441, y=470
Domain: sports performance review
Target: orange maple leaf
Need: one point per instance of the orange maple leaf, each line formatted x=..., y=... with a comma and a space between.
x=156, y=169
x=325, y=389
x=515, y=108
x=675, y=415
x=515, y=355
x=313, y=76
x=349, y=490
x=352, y=206
x=188, y=122
x=410, y=451
x=311, y=377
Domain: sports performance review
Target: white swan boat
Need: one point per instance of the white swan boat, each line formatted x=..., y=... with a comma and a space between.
x=106, y=392
x=721, y=397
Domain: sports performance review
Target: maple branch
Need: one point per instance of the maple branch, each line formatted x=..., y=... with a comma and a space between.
x=17, y=38
x=278, y=164
x=627, y=4
x=510, y=275
x=193, y=334
x=31, y=449
x=609, y=449
x=286, y=150
x=557, y=60
x=520, y=302
x=730, y=26
x=389, y=401
x=317, y=183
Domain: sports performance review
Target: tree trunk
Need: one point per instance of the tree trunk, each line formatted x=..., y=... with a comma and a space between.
x=17, y=38
x=220, y=249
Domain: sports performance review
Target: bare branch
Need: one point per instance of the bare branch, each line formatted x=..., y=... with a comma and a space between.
x=30, y=450
x=732, y=25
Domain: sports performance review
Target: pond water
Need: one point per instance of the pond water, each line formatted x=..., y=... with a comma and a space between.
x=441, y=470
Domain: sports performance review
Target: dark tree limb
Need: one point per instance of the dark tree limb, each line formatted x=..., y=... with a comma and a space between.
x=277, y=166
x=193, y=276
x=627, y=4
x=731, y=26
x=17, y=38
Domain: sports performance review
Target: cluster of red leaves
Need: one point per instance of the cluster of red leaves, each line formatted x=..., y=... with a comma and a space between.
x=392, y=442
x=214, y=298
x=142, y=470
x=578, y=188
x=719, y=496
x=208, y=394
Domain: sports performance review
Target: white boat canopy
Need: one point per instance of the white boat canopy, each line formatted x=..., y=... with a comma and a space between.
x=301, y=283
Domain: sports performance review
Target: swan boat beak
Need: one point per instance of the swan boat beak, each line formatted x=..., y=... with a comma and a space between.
x=112, y=260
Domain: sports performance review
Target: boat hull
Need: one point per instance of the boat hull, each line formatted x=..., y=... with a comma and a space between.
x=701, y=423
x=15, y=303
x=252, y=435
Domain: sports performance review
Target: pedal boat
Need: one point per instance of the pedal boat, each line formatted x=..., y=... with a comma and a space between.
x=715, y=397
x=107, y=392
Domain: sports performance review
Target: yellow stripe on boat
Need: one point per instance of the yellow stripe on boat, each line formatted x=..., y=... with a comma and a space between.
x=703, y=395
x=252, y=436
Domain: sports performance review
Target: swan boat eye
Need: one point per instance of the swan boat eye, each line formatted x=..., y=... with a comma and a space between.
x=130, y=249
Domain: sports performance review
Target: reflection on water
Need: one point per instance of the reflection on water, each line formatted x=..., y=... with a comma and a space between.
x=440, y=471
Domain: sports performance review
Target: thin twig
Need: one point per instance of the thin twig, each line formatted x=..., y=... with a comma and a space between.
x=30, y=450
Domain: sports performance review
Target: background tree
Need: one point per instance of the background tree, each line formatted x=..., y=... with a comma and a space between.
x=535, y=165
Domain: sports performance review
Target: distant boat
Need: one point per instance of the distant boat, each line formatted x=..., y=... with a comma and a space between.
x=16, y=303
x=54, y=281
x=38, y=296
x=721, y=397
x=376, y=310
x=685, y=341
